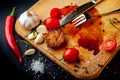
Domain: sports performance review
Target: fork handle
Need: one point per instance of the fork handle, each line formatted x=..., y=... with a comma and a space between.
x=104, y=14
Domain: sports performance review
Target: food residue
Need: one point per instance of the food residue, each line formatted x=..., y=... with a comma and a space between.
x=67, y=9
x=88, y=35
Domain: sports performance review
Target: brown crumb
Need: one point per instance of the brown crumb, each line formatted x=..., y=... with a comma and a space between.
x=100, y=65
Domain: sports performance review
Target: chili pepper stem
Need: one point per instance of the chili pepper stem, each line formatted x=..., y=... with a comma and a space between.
x=13, y=11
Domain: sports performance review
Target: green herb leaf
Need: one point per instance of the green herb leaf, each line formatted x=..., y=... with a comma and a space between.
x=26, y=47
x=62, y=59
x=25, y=42
x=33, y=33
x=111, y=22
x=41, y=59
x=28, y=34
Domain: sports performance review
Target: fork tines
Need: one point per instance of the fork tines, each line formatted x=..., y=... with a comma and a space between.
x=79, y=20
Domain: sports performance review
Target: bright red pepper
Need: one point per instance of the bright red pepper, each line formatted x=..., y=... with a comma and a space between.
x=8, y=32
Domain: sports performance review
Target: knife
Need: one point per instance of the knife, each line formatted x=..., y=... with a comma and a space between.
x=78, y=11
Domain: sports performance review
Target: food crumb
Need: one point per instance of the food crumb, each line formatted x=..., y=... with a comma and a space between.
x=115, y=72
x=100, y=65
x=107, y=67
x=105, y=75
x=54, y=77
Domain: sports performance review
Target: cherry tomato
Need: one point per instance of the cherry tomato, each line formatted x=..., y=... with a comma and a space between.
x=52, y=23
x=56, y=12
x=110, y=44
x=71, y=55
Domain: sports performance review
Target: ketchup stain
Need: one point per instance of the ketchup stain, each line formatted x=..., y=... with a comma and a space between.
x=67, y=9
x=89, y=44
x=89, y=35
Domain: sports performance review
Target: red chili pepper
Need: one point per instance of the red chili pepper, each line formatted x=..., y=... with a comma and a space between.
x=8, y=32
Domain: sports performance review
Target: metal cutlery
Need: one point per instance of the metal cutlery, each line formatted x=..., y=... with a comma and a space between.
x=84, y=17
x=78, y=11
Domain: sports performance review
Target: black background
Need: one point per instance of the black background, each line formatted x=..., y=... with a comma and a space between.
x=13, y=70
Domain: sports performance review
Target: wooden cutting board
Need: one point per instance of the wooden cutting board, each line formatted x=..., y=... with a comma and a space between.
x=90, y=66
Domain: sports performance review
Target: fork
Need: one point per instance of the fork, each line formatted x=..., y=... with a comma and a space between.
x=84, y=17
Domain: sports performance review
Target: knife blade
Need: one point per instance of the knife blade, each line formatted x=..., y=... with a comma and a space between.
x=78, y=11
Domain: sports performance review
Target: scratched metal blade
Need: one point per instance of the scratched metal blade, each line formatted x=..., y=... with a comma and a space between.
x=77, y=12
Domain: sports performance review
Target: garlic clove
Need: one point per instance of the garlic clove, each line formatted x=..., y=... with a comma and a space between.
x=32, y=35
x=39, y=38
x=30, y=52
x=41, y=29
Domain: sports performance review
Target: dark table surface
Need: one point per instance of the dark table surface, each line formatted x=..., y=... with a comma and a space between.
x=13, y=70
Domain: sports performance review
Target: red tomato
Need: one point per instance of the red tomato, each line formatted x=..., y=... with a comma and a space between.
x=52, y=23
x=110, y=44
x=56, y=12
x=71, y=55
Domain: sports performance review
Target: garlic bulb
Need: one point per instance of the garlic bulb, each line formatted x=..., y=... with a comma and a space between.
x=29, y=19
x=39, y=38
x=41, y=29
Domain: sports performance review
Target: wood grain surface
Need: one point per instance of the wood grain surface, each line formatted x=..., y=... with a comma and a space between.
x=90, y=65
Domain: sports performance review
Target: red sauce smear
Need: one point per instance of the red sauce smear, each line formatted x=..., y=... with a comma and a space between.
x=89, y=35
x=67, y=9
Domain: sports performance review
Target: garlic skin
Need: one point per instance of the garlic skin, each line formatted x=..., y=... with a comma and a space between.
x=39, y=38
x=32, y=35
x=41, y=29
x=30, y=52
x=29, y=19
